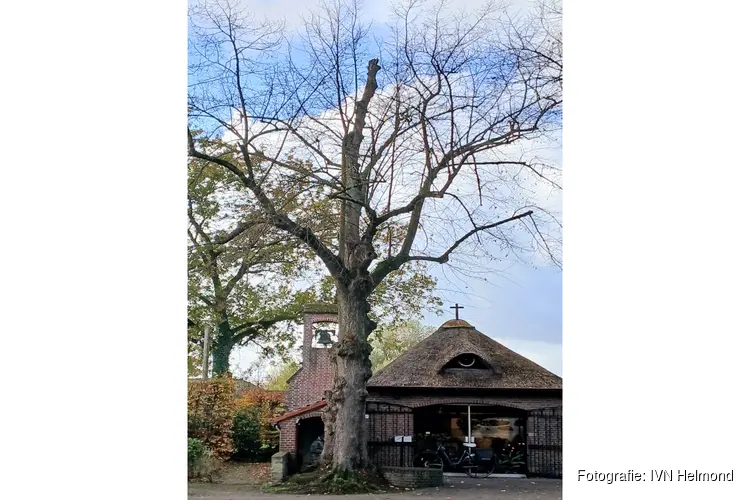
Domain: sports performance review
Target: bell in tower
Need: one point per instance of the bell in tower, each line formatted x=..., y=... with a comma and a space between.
x=324, y=337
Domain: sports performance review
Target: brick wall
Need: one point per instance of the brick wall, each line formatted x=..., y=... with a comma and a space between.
x=410, y=477
x=315, y=377
x=316, y=374
x=309, y=384
x=288, y=435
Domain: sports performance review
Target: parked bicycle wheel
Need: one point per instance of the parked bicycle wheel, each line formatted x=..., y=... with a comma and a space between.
x=479, y=466
x=428, y=461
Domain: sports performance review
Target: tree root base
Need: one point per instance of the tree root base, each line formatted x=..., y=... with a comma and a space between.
x=331, y=482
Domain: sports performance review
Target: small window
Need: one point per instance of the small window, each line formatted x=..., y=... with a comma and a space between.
x=466, y=361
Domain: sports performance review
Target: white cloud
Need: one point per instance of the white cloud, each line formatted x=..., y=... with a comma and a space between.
x=292, y=11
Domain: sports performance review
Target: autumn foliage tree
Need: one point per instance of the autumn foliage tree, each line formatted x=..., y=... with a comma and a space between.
x=424, y=125
x=254, y=436
x=211, y=409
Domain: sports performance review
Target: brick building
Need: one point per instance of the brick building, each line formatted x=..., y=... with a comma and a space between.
x=456, y=385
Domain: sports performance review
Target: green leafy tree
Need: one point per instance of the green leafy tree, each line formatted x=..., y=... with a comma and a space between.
x=392, y=341
x=243, y=275
x=279, y=377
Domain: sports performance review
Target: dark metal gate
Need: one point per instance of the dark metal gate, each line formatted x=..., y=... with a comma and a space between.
x=389, y=435
x=544, y=442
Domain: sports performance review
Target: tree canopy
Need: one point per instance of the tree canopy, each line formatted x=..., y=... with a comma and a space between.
x=394, y=340
x=248, y=281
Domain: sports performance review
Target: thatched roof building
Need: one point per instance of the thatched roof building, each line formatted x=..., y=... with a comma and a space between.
x=456, y=384
x=459, y=356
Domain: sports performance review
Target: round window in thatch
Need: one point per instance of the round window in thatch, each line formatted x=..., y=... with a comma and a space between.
x=466, y=361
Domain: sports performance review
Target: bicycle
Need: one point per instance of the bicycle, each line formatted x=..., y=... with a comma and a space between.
x=478, y=464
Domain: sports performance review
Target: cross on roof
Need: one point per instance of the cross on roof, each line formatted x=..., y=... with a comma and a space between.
x=456, y=307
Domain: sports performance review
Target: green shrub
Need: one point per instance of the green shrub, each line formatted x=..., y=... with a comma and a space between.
x=246, y=438
x=510, y=462
x=201, y=465
x=196, y=451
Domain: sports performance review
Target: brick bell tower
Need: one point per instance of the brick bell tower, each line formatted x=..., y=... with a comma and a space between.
x=316, y=374
x=302, y=422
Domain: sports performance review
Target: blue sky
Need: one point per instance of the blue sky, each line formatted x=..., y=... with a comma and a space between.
x=520, y=307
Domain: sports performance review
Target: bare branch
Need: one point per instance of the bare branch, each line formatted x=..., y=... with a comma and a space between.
x=388, y=265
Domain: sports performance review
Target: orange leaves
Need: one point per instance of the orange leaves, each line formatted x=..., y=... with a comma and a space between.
x=256, y=396
x=212, y=407
x=211, y=412
x=266, y=405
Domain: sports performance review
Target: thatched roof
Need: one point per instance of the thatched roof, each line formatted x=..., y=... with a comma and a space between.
x=433, y=364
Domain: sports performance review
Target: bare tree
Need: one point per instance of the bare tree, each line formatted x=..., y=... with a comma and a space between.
x=432, y=135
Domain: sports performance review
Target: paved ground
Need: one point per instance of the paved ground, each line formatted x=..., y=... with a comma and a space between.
x=454, y=489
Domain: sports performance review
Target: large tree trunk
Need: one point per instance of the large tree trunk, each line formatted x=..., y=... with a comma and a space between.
x=222, y=348
x=345, y=445
x=346, y=434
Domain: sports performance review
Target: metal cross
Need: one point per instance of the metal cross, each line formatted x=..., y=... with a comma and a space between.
x=456, y=307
